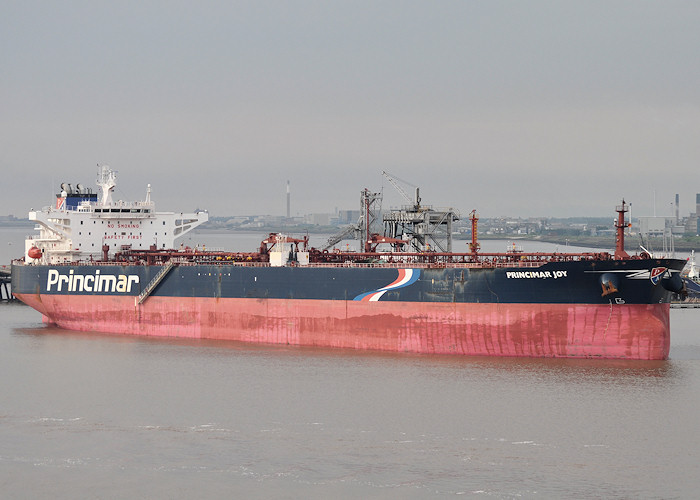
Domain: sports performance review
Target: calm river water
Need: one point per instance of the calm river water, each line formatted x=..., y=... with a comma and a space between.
x=105, y=416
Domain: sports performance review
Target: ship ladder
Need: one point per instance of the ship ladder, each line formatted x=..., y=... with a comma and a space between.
x=154, y=282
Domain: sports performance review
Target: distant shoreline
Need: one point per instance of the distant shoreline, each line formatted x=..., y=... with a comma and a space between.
x=24, y=223
x=602, y=242
x=631, y=242
x=683, y=244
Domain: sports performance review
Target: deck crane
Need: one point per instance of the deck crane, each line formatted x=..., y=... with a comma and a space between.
x=394, y=179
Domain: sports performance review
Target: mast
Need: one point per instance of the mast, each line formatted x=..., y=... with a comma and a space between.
x=474, y=245
x=620, y=226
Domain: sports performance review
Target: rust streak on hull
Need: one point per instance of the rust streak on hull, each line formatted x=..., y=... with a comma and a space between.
x=629, y=331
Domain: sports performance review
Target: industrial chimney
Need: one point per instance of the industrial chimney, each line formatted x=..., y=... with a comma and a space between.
x=288, y=201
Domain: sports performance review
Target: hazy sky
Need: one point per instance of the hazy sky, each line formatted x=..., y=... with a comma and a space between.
x=538, y=108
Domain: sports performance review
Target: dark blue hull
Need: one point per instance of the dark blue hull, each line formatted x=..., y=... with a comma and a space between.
x=649, y=281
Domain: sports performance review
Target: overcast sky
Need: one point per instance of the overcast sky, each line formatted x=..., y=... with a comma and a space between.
x=538, y=108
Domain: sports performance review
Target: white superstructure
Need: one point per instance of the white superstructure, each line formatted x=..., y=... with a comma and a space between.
x=80, y=226
x=692, y=269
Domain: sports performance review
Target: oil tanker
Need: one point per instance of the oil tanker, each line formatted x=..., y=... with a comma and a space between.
x=112, y=266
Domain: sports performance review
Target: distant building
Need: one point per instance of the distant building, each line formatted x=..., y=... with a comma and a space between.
x=655, y=226
x=692, y=223
x=348, y=216
x=318, y=219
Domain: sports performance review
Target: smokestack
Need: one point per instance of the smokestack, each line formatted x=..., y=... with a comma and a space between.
x=288, y=201
x=677, y=214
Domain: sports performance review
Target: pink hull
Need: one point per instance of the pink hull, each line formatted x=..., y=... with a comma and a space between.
x=631, y=331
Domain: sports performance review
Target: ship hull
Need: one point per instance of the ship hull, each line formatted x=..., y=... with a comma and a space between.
x=594, y=309
x=635, y=331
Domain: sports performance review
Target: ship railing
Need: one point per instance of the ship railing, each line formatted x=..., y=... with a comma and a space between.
x=85, y=205
x=389, y=265
x=429, y=265
x=50, y=236
x=484, y=263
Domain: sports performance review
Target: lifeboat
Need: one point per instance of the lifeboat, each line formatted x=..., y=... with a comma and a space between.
x=34, y=253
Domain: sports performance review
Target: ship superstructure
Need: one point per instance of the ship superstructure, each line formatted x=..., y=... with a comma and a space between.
x=82, y=226
x=691, y=278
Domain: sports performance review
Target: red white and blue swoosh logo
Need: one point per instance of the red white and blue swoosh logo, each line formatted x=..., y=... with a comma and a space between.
x=656, y=274
x=406, y=277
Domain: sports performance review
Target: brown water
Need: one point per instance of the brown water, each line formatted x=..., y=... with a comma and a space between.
x=94, y=415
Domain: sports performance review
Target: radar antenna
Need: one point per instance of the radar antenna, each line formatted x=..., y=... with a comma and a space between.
x=106, y=180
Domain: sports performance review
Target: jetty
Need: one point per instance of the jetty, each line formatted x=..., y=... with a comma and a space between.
x=5, y=280
x=689, y=304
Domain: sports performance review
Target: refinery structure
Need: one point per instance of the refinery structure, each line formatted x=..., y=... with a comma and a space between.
x=672, y=224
